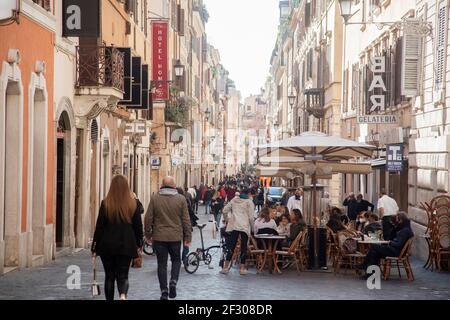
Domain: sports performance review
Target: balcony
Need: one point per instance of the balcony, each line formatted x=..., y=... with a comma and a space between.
x=315, y=102
x=100, y=68
x=99, y=79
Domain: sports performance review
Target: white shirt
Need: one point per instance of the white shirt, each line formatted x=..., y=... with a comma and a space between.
x=192, y=192
x=388, y=204
x=295, y=204
x=261, y=224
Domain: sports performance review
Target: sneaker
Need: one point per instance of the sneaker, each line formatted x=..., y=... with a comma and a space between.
x=172, y=291
x=164, y=295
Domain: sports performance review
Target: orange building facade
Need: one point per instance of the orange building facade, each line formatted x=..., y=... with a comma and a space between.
x=27, y=139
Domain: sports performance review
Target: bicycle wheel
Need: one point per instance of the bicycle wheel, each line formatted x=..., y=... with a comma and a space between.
x=148, y=249
x=211, y=252
x=192, y=262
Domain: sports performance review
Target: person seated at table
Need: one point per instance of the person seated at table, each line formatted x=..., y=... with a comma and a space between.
x=297, y=224
x=335, y=223
x=284, y=228
x=361, y=221
x=373, y=224
x=377, y=252
x=264, y=224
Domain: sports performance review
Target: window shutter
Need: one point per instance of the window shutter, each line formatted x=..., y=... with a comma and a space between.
x=307, y=14
x=410, y=62
x=345, y=105
x=94, y=131
x=174, y=19
x=440, y=46
x=180, y=21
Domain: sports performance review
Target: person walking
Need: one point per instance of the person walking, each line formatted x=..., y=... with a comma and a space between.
x=387, y=208
x=208, y=198
x=238, y=214
x=193, y=218
x=167, y=223
x=118, y=236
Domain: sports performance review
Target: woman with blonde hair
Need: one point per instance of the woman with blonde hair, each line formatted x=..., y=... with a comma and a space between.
x=118, y=236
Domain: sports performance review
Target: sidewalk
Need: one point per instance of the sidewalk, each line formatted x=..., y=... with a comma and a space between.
x=49, y=282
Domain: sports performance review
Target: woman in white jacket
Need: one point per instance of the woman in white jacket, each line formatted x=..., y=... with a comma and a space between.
x=238, y=214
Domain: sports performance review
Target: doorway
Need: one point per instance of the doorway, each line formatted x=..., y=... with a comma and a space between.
x=63, y=151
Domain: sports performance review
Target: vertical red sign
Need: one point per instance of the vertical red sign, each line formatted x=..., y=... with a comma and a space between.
x=160, y=70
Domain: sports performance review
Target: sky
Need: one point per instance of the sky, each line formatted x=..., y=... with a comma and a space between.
x=244, y=31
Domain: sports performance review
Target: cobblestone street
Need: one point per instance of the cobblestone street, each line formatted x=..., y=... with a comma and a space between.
x=49, y=282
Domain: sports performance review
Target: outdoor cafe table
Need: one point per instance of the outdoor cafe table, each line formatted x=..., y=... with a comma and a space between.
x=369, y=242
x=270, y=243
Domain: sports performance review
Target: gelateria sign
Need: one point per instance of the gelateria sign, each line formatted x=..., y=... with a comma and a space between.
x=377, y=102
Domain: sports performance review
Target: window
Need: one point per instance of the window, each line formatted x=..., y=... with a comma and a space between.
x=355, y=87
x=440, y=44
x=345, y=93
x=46, y=4
x=310, y=64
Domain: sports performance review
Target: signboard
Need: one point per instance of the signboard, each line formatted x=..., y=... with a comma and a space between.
x=7, y=9
x=81, y=18
x=160, y=71
x=155, y=162
x=127, y=76
x=135, y=128
x=377, y=119
x=394, y=157
x=377, y=101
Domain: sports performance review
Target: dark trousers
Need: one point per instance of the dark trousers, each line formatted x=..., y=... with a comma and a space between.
x=163, y=249
x=387, y=227
x=232, y=243
x=377, y=252
x=196, y=206
x=207, y=206
x=116, y=269
x=184, y=254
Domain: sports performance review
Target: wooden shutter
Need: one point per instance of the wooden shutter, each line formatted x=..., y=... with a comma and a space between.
x=174, y=18
x=345, y=95
x=307, y=14
x=412, y=43
x=440, y=44
x=180, y=21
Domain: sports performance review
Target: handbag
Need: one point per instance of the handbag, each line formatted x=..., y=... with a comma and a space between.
x=350, y=246
x=138, y=262
x=95, y=288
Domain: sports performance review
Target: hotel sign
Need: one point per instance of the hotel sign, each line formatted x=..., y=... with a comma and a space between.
x=377, y=102
x=160, y=70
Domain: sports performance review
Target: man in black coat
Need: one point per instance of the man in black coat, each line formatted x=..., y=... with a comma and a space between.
x=363, y=204
x=377, y=252
x=352, y=206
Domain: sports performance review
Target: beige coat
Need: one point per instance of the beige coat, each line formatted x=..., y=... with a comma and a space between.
x=238, y=214
x=167, y=217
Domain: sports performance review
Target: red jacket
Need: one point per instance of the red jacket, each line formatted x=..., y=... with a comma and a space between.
x=222, y=192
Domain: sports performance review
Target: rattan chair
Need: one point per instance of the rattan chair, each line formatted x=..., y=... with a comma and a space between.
x=256, y=255
x=291, y=253
x=346, y=260
x=401, y=262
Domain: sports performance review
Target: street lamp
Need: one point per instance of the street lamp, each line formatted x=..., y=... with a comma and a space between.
x=291, y=99
x=207, y=114
x=179, y=69
x=346, y=9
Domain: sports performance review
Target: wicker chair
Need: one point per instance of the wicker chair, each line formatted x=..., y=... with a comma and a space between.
x=292, y=253
x=256, y=256
x=346, y=260
x=402, y=261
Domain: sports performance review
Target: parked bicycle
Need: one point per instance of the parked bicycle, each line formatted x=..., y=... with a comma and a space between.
x=204, y=255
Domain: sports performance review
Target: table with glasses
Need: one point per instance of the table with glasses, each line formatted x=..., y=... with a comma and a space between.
x=365, y=244
x=270, y=243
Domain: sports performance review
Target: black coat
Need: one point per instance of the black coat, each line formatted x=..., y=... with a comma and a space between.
x=403, y=234
x=113, y=239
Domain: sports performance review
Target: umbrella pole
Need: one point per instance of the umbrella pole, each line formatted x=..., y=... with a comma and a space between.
x=316, y=235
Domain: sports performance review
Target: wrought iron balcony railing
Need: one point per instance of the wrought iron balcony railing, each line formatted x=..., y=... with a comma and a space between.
x=315, y=102
x=100, y=66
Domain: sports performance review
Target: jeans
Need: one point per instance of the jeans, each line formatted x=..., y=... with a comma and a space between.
x=207, y=206
x=377, y=252
x=233, y=243
x=116, y=269
x=163, y=249
x=196, y=206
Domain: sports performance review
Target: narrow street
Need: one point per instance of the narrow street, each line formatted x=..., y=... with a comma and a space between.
x=49, y=282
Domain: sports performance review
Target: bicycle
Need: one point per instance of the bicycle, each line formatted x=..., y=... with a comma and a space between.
x=194, y=258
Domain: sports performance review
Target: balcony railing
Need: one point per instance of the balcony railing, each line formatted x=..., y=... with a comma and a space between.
x=315, y=102
x=100, y=66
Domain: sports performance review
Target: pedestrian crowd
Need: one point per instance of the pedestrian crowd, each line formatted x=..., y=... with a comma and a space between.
x=240, y=210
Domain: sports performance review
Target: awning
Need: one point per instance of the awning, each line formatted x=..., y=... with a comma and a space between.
x=323, y=168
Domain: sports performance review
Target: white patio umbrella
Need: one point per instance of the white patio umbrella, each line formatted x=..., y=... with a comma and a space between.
x=316, y=154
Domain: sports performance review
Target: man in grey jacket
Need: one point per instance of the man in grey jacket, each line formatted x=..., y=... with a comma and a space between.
x=166, y=225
